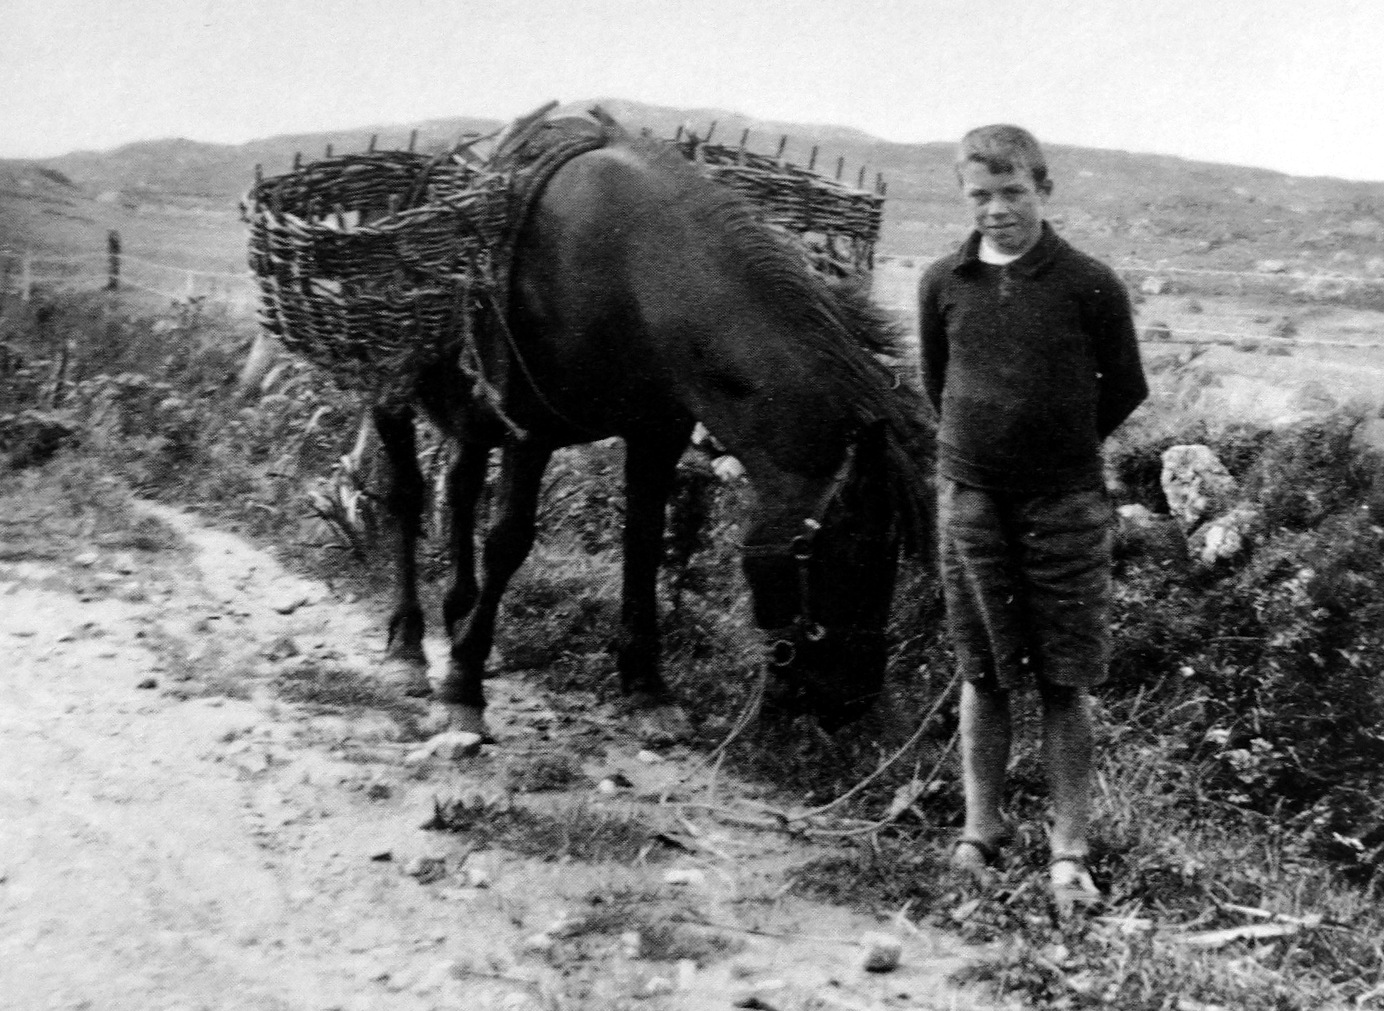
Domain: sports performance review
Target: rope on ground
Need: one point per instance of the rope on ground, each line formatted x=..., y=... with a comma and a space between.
x=776, y=818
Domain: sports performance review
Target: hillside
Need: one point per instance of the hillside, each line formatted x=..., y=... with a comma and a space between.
x=179, y=196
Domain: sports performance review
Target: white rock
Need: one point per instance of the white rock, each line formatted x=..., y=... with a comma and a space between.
x=658, y=985
x=687, y=973
x=449, y=746
x=607, y=786
x=631, y=943
x=649, y=757
x=1228, y=536
x=477, y=877
x=882, y=952
x=1195, y=483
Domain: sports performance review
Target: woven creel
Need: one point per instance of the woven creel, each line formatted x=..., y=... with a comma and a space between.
x=844, y=220
x=370, y=265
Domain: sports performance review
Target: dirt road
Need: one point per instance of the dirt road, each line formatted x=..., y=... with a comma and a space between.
x=195, y=812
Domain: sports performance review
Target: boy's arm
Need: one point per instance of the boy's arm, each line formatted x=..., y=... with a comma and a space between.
x=1122, y=383
x=932, y=339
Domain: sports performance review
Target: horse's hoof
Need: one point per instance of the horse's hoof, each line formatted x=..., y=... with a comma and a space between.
x=408, y=677
x=446, y=717
x=664, y=723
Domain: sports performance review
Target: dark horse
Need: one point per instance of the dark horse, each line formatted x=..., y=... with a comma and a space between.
x=645, y=297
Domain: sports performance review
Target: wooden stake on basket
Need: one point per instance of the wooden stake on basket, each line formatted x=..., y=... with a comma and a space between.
x=744, y=136
x=812, y=162
x=783, y=143
x=860, y=179
x=709, y=131
x=329, y=152
x=297, y=160
x=374, y=139
x=412, y=140
x=840, y=167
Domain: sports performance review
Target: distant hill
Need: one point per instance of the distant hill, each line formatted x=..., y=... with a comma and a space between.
x=1114, y=202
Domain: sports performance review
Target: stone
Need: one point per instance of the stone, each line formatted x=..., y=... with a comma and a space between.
x=1271, y=266
x=1228, y=536
x=426, y=869
x=883, y=952
x=1196, y=484
x=449, y=746
x=1153, y=285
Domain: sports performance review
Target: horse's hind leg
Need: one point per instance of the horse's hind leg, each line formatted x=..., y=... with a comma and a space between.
x=507, y=544
x=650, y=467
x=465, y=483
x=405, y=664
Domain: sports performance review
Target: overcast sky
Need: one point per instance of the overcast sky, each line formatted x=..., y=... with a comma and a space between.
x=1293, y=85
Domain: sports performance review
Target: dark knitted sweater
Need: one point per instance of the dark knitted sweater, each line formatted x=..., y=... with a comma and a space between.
x=1029, y=365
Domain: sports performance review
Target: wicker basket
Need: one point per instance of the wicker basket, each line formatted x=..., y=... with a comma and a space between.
x=370, y=265
x=377, y=266
x=836, y=224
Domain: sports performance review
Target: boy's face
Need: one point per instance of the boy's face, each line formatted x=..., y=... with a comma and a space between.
x=1008, y=206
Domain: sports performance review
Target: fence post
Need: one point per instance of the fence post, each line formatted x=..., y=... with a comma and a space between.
x=113, y=252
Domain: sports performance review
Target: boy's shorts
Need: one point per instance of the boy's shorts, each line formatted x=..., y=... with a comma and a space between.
x=1027, y=581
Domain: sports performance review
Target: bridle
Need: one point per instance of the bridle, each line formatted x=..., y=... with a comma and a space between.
x=785, y=639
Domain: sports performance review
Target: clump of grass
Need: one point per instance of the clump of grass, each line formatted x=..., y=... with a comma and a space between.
x=544, y=771
x=574, y=830
x=330, y=684
x=668, y=931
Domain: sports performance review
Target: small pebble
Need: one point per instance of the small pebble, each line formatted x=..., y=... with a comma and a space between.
x=649, y=757
x=658, y=985
x=882, y=952
x=148, y=683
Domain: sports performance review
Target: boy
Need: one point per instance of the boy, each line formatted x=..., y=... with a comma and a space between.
x=1030, y=358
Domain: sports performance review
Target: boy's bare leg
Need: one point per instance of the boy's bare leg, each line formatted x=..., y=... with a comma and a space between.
x=1067, y=755
x=985, y=730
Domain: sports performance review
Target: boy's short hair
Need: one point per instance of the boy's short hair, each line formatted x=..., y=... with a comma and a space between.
x=1002, y=148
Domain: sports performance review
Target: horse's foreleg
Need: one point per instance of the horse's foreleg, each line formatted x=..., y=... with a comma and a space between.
x=404, y=494
x=465, y=482
x=507, y=544
x=650, y=467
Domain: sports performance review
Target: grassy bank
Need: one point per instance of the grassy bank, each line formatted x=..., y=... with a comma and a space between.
x=1242, y=731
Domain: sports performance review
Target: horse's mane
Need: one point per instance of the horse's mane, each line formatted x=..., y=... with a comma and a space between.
x=836, y=323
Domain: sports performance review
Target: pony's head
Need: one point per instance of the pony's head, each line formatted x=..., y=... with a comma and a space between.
x=822, y=576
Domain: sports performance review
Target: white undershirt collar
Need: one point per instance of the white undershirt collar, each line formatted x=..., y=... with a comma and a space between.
x=989, y=253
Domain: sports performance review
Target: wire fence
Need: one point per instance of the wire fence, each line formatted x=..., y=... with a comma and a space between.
x=1271, y=324
x=23, y=273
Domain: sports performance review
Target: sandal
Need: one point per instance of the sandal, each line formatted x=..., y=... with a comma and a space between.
x=981, y=869
x=1072, y=884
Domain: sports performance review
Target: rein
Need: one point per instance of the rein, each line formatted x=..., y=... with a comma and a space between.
x=783, y=648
